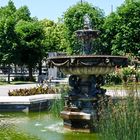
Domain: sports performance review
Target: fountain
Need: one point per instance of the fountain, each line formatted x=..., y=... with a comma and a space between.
x=86, y=78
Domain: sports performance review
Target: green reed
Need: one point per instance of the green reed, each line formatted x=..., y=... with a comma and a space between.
x=13, y=134
x=56, y=107
x=121, y=119
x=58, y=104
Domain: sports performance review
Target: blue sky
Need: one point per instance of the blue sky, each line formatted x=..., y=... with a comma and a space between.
x=52, y=9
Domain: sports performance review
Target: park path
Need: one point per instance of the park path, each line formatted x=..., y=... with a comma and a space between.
x=4, y=89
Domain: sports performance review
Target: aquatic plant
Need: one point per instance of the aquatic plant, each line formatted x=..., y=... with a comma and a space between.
x=121, y=120
x=58, y=104
x=12, y=134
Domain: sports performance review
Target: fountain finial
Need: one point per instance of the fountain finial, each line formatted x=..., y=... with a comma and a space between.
x=86, y=35
x=87, y=21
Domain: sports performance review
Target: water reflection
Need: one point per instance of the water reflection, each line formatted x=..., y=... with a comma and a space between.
x=32, y=127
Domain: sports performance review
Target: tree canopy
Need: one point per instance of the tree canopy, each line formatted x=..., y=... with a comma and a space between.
x=30, y=47
x=55, y=36
x=7, y=33
x=20, y=37
x=122, y=29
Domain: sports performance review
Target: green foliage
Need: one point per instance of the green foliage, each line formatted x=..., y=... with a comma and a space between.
x=10, y=132
x=73, y=19
x=58, y=104
x=56, y=107
x=20, y=37
x=9, y=16
x=55, y=36
x=22, y=13
x=30, y=34
x=122, y=29
x=113, y=79
x=7, y=36
x=2, y=79
x=127, y=74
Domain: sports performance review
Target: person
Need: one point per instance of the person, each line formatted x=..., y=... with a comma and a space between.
x=40, y=78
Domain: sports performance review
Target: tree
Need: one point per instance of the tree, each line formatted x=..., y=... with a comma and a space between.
x=22, y=13
x=7, y=35
x=55, y=36
x=130, y=1
x=9, y=17
x=122, y=29
x=73, y=20
x=30, y=49
x=110, y=28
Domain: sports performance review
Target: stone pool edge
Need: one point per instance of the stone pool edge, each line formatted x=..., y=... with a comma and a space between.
x=27, y=103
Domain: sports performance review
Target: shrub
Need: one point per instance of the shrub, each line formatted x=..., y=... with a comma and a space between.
x=24, y=78
x=2, y=79
x=113, y=79
x=128, y=74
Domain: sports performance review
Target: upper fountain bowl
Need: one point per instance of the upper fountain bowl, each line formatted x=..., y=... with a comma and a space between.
x=88, y=64
x=87, y=34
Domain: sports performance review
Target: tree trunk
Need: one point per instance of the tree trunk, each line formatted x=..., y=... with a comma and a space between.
x=8, y=73
x=40, y=68
x=15, y=66
x=30, y=73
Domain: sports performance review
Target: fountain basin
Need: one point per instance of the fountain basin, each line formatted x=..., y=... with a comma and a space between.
x=88, y=65
x=86, y=76
x=87, y=70
x=27, y=103
x=75, y=115
x=87, y=33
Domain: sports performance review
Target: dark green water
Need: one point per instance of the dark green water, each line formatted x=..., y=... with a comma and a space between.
x=36, y=126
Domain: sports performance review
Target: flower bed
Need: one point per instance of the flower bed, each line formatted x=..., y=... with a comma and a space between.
x=33, y=91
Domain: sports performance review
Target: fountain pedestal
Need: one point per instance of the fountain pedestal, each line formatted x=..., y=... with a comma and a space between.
x=82, y=102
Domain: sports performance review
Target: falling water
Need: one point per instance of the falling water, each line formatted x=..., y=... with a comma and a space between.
x=39, y=115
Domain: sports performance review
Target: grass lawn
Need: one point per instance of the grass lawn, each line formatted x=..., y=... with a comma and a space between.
x=16, y=83
x=122, y=86
x=3, y=83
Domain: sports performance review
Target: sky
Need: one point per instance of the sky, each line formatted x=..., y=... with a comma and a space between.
x=54, y=9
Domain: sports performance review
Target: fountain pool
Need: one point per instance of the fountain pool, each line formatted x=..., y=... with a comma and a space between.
x=37, y=126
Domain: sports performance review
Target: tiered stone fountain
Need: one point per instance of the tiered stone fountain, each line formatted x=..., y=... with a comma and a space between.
x=86, y=76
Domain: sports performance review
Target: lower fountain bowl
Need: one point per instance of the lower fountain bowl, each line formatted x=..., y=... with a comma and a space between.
x=98, y=70
x=88, y=64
